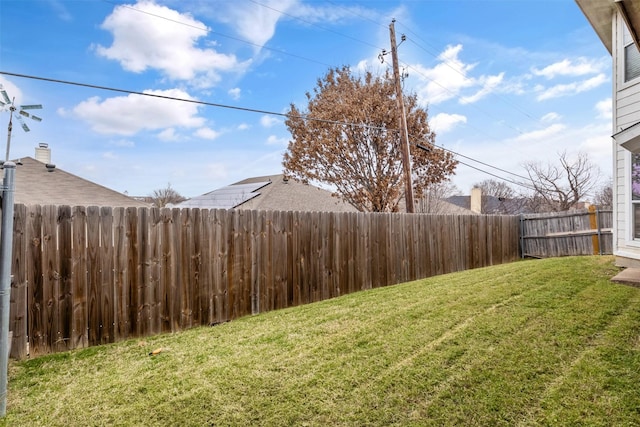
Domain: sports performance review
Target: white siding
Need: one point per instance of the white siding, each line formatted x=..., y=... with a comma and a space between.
x=626, y=107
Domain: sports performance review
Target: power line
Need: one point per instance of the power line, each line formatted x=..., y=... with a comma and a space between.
x=422, y=147
x=253, y=110
x=448, y=64
x=319, y=62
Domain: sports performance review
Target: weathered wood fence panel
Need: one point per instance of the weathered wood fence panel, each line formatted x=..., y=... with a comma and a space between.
x=585, y=232
x=90, y=276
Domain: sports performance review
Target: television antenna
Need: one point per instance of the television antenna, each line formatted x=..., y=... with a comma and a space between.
x=9, y=103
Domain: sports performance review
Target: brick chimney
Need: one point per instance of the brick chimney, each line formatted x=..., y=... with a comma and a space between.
x=43, y=153
x=476, y=200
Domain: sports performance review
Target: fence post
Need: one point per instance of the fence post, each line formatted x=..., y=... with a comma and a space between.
x=593, y=223
x=599, y=230
x=522, y=248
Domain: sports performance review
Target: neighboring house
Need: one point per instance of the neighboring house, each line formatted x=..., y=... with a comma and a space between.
x=38, y=182
x=617, y=23
x=490, y=205
x=273, y=192
x=442, y=207
x=433, y=204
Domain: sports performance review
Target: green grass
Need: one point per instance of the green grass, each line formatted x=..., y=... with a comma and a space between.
x=540, y=342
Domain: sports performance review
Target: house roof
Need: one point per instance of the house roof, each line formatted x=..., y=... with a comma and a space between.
x=600, y=14
x=271, y=192
x=492, y=204
x=36, y=185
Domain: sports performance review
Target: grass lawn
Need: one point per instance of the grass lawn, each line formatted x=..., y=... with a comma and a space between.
x=537, y=342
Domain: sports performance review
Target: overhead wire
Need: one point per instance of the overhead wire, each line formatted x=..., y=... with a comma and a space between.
x=254, y=110
x=312, y=60
x=208, y=30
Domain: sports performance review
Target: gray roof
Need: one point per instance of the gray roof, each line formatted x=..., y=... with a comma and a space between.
x=35, y=185
x=271, y=192
x=226, y=197
x=493, y=205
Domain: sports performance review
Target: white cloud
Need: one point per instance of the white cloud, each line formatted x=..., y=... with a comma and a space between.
x=234, y=93
x=322, y=15
x=128, y=115
x=109, y=155
x=207, y=133
x=12, y=90
x=142, y=40
x=216, y=171
x=551, y=117
x=444, y=122
x=489, y=84
x=542, y=134
x=243, y=126
x=274, y=140
x=269, y=121
x=604, y=109
x=123, y=143
x=257, y=23
x=571, y=88
x=450, y=77
x=168, y=135
x=446, y=79
x=566, y=67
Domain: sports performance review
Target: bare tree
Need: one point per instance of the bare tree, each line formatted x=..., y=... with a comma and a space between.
x=164, y=196
x=559, y=187
x=353, y=143
x=499, y=198
x=497, y=189
x=433, y=197
x=604, y=195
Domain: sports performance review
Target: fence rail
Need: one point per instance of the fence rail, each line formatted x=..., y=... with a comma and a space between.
x=584, y=232
x=89, y=276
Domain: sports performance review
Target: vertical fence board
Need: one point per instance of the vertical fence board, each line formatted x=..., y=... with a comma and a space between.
x=120, y=303
x=107, y=276
x=271, y=237
x=196, y=272
x=219, y=266
x=94, y=277
x=175, y=255
x=18, y=310
x=133, y=283
x=185, y=279
x=51, y=277
x=143, y=275
x=64, y=314
x=205, y=279
x=166, y=271
x=37, y=304
x=153, y=296
x=277, y=261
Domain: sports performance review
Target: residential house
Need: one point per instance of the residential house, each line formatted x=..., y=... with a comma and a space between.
x=490, y=205
x=273, y=192
x=617, y=23
x=39, y=182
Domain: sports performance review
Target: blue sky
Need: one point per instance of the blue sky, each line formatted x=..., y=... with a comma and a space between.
x=505, y=81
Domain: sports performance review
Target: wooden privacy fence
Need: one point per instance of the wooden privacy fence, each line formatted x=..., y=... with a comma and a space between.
x=89, y=276
x=584, y=232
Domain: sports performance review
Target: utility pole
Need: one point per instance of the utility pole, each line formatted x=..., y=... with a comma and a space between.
x=402, y=120
x=7, y=191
